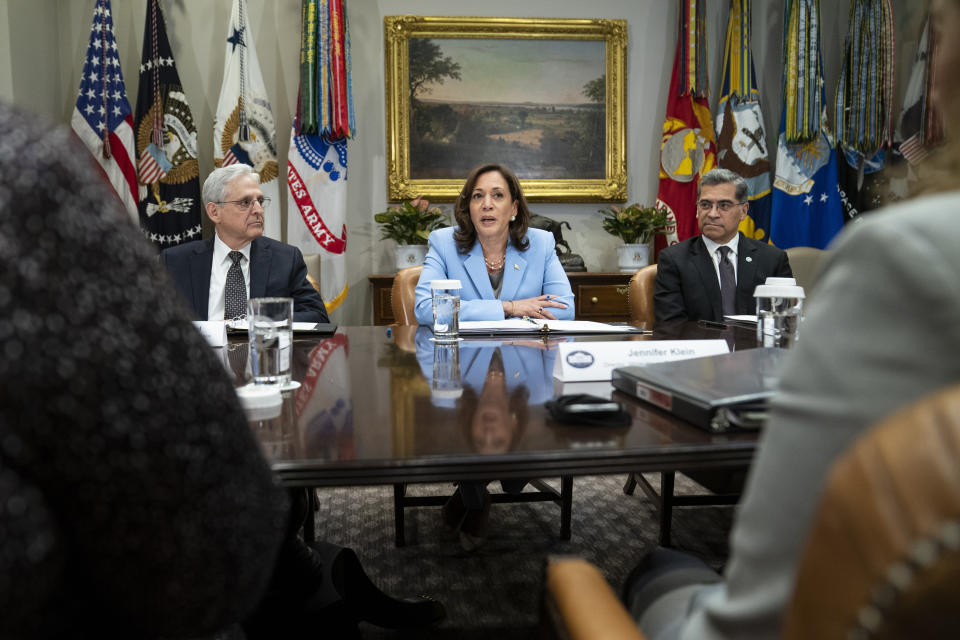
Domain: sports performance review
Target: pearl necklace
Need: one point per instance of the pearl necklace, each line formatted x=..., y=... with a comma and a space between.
x=494, y=265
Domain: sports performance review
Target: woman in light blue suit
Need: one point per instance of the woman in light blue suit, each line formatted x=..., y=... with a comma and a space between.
x=505, y=269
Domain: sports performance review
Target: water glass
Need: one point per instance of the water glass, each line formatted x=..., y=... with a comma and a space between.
x=270, y=327
x=446, y=382
x=446, y=310
x=779, y=310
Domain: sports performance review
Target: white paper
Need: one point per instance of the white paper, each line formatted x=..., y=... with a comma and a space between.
x=533, y=325
x=744, y=318
x=214, y=331
x=580, y=361
x=297, y=326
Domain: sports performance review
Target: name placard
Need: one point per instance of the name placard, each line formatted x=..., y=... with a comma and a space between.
x=580, y=361
x=214, y=331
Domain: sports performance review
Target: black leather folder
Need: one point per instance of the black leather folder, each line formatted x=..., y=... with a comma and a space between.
x=717, y=393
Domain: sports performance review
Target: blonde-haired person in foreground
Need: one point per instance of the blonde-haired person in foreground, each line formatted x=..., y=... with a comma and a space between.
x=883, y=330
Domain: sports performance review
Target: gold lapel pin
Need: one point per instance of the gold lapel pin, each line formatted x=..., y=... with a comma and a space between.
x=516, y=266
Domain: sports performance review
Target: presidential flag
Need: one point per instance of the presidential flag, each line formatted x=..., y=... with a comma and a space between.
x=806, y=200
x=243, y=127
x=102, y=118
x=166, y=142
x=317, y=161
x=741, y=136
x=687, y=147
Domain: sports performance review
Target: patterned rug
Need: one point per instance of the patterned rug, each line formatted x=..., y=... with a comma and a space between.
x=494, y=592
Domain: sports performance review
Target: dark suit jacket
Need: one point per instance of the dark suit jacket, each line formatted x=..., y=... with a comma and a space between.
x=276, y=269
x=687, y=287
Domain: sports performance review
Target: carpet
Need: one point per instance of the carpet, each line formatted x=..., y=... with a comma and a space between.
x=494, y=592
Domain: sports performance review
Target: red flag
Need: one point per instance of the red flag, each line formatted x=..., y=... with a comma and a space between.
x=688, y=146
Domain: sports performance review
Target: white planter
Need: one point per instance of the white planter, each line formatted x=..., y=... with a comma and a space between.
x=631, y=257
x=410, y=255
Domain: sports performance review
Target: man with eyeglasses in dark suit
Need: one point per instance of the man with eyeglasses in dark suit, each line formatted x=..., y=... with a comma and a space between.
x=714, y=274
x=217, y=276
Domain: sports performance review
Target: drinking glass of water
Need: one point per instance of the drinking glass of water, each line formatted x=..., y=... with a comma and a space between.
x=446, y=310
x=270, y=327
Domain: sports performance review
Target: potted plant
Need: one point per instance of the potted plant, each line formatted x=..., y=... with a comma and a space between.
x=636, y=225
x=408, y=224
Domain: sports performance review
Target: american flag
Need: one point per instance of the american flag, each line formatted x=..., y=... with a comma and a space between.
x=102, y=117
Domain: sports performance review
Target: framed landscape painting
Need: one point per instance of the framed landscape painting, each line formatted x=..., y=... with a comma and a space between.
x=544, y=97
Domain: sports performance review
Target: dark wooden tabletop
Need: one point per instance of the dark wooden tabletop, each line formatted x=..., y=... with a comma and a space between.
x=371, y=411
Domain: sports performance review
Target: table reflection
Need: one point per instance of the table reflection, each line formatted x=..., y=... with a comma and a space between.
x=492, y=387
x=375, y=404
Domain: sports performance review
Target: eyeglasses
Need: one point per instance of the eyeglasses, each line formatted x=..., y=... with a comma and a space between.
x=246, y=203
x=724, y=205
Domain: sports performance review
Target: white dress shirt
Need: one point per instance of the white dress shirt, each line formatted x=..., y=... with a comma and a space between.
x=712, y=247
x=218, y=275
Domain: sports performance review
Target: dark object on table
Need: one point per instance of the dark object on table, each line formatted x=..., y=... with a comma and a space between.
x=587, y=410
x=716, y=393
x=570, y=261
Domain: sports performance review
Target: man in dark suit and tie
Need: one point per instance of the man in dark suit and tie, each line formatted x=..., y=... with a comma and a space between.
x=714, y=274
x=217, y=276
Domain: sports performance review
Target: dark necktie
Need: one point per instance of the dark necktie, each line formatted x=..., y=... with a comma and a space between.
x=234, y=290
x=728, y=283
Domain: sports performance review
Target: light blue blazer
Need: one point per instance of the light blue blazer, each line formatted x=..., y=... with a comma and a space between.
x=527, y=274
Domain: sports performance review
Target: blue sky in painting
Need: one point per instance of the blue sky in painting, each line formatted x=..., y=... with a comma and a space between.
x=515, y=70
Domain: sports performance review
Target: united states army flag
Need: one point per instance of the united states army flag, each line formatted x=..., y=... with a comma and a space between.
x=317, y=164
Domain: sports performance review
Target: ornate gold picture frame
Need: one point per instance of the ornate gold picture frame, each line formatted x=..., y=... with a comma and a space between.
x=545, y=97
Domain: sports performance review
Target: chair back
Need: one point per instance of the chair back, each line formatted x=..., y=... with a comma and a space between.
x=640, y=295
x=805, y=262
x=402, y=295
x=312, y=260
x=883, y=556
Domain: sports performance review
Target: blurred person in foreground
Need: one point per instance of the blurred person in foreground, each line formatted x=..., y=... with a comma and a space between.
x=505, y=268
x=883, y=331
x=135, y=501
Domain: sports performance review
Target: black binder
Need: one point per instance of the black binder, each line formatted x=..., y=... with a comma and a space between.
x=717, y=393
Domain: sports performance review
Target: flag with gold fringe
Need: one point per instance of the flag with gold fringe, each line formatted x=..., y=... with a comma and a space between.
x=317, y=162
x=102, y=117
x=687, y=147
x=806, y=202
x=741, y=136
x=166, y=142
x=243, y=127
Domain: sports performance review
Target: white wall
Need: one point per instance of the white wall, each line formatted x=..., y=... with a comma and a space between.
x=42, y=43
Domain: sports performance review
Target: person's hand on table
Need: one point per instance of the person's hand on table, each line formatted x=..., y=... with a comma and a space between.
x=538, y=307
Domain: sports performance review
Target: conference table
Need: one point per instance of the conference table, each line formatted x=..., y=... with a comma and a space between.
x=379, y=406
